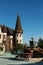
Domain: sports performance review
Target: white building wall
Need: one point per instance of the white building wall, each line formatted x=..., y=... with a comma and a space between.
x=1, y=35
x=19, y=37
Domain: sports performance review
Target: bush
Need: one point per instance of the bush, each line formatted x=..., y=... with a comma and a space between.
x=1, y=49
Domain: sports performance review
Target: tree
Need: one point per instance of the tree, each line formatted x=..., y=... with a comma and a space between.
x=32, y=43
x=1, y=48
x=25, y=46
x=19, y=48
x=40, y=43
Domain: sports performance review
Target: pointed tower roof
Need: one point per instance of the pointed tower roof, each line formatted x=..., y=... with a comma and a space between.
x=18, y=27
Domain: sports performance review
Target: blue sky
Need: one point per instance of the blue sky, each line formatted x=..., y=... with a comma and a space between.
x=31, y=14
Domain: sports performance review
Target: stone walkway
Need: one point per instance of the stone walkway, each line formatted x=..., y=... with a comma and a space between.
x=9, y=59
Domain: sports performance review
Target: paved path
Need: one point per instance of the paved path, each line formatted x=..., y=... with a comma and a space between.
x=8, y=59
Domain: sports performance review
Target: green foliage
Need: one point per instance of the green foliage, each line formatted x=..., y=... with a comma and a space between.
x=19, y=47
x=25, y=46
x=1, y=49
x=40, y=43
x=32, y=43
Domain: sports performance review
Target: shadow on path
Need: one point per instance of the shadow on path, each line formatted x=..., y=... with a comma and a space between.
x=15, y=59
x=37, y=63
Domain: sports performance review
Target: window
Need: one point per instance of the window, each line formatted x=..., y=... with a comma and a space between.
x=17, y=35
x=17, y=41
x=20, y=40
x=4, y=37
x=0, y=35
x=20, y=35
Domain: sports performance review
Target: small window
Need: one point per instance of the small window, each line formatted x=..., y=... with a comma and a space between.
x=20, y=40
x=0, y=35
x=17, y=35
x=17, y=41
x=20, y=35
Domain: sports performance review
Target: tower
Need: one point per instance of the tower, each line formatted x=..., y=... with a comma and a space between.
x=18, y=31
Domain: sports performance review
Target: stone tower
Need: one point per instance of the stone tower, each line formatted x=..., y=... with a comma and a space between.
x=18, y=31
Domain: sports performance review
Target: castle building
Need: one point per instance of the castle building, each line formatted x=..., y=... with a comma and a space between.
x=10, y=37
